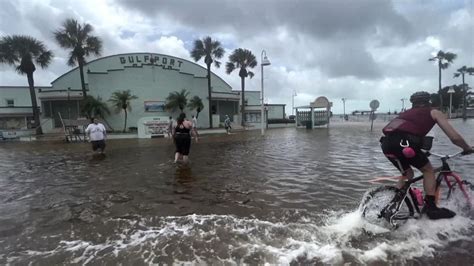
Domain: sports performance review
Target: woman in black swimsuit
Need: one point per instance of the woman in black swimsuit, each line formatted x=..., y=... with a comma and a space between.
x=182, y=137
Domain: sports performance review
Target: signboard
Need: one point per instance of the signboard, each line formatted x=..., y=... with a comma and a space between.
x=154, y=106
x=374, y=104
x=149, y=127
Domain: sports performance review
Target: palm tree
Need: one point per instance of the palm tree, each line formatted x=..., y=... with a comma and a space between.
x=78, y=38
x=210, y=50
x=444, y=59
x=461, y=72
x=196, y=103
x=121, y=101
x=95, y=107
x=177, y=100
x=242, y=59
x=21, y=52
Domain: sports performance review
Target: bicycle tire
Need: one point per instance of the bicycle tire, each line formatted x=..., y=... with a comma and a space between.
x=459, y=190
x=378, y=199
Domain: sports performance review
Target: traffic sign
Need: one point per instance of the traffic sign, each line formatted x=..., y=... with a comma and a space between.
x=374, y=104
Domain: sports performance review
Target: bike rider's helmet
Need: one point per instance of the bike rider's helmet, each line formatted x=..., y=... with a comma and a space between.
x=420, y=97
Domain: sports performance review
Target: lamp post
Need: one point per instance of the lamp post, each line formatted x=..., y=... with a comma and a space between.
x=450, y=91
x=403, y=103
x=293, y=102
x=264, y=62
x=344, y=108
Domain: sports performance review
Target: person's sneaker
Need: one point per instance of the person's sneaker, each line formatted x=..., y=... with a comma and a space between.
x=435, y=213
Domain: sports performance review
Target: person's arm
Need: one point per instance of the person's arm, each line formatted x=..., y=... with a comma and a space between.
x=452, y=134
x=88, y=131
x=104, y=131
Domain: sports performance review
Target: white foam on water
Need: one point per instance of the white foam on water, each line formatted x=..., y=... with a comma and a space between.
x=329, y=238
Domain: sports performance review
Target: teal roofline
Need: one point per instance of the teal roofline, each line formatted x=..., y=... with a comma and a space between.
x=141, y=53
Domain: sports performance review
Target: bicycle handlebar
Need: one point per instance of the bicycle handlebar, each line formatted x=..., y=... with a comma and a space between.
x=448, y=156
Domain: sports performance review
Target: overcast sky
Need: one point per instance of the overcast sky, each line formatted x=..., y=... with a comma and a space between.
x=355, y=49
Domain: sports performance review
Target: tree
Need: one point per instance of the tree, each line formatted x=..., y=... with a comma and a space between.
x=177, y=100
x=211, y=51
x=21, y=52
x=444, y=59
x=242, y=59
x=78, y=38
x=95, y=107
x=121, y=101
x=196, y=103
x=461, y=72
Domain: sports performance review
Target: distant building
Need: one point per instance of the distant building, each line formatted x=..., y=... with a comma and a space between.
x=151, y=77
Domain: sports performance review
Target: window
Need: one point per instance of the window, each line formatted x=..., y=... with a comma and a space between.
x=10, y=103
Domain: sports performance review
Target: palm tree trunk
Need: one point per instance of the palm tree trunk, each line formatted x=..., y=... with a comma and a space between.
x=439, y=89
x=34, y=104
x=125, y=125
x=83, y=83
x=242, y=107
x=209, y=92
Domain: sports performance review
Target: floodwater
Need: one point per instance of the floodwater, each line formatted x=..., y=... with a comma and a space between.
x=288, y=198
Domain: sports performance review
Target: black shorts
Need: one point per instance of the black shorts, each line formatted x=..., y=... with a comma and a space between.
x=98, y=144
x=182, y=143
x=393, y=151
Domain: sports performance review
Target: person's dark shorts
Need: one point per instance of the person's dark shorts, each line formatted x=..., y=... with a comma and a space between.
x=182, y=143
x=393, y=151
x=98, y=144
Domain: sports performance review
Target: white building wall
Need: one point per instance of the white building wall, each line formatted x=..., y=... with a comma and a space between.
x=149, y=82
x=20, y=95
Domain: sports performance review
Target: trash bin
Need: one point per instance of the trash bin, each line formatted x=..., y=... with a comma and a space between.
x=309, y=125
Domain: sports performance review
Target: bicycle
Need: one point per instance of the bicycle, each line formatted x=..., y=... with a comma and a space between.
x=400, y=204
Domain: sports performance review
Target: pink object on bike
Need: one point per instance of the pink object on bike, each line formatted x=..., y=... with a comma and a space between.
x=408, y=152
x=419, y=195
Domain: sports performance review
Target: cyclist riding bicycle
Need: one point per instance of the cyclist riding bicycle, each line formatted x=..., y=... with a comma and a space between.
x=404, y=140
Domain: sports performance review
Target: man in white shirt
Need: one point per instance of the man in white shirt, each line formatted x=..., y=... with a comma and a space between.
x=97, y=135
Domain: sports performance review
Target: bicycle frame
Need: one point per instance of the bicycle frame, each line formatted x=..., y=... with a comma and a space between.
x=391, y=211
x=445, y=173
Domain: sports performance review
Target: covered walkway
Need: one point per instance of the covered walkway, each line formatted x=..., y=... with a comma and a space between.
x=315, y=114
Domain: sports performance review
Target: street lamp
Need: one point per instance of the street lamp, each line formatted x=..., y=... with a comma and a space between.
x=450, y=91
x=293, y=102
x=344, y=108
x=403, y=103
x=264, y=62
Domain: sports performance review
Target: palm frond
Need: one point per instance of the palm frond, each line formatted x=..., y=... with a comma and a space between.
x=229, y=67
x=251, y=74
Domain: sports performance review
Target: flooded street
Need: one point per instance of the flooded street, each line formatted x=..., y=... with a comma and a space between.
x=290, y=197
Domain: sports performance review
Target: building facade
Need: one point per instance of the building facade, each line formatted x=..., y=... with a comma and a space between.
x=149, y=76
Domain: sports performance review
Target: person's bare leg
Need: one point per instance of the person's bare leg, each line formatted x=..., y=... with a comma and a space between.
x=429, y=181
x=430, y=208
x=176, y=157
x=185, y=159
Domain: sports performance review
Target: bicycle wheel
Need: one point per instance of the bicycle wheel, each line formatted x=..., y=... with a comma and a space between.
x=386, y=204
x=456, y=189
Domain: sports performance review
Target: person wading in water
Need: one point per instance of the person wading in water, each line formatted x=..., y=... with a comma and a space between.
x=182, y=138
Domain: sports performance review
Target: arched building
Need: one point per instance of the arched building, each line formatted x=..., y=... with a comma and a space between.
x=149, y=76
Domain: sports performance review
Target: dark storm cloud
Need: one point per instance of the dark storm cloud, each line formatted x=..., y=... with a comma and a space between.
x=318, y=18
x=346, y=23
